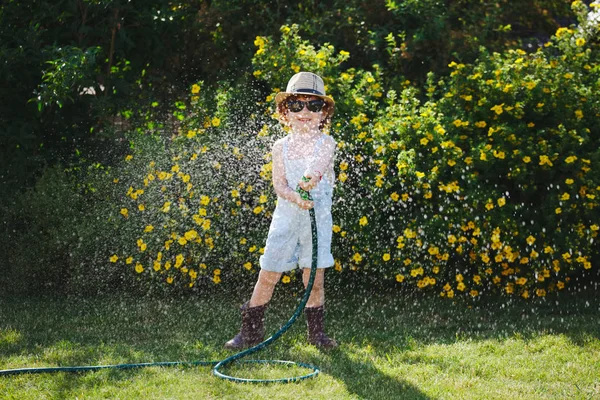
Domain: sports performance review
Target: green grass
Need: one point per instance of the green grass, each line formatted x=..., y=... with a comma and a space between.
x=394, y=346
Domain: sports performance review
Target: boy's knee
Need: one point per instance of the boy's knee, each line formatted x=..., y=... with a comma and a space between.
x=267, y=278
x=319, y=278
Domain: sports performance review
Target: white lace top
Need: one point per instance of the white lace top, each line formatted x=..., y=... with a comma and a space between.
x=318, y=150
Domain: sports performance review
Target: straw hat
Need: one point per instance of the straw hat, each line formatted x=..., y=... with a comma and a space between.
x=306, y=83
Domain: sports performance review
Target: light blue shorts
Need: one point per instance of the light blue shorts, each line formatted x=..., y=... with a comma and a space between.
x=289, y=243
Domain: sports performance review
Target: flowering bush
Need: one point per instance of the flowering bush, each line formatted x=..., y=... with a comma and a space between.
x=483, y=181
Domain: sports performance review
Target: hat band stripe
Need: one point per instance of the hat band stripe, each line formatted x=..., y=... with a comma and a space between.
x=309, y=91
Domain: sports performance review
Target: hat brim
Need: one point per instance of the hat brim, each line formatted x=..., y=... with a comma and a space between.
x=281, y=96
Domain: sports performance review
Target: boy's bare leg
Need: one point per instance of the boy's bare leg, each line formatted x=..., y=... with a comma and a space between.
x=317, y=295
x=263, y=290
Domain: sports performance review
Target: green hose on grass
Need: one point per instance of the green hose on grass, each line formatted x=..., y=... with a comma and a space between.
x=218, y=365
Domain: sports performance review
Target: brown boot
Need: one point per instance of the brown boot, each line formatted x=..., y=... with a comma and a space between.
x=315, y=317
x=253, y=328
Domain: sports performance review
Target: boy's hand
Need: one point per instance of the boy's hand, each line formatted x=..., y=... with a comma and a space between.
x=311, y=184
x=303, y=204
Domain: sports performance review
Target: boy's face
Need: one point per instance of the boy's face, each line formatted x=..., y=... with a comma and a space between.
x=305, y=120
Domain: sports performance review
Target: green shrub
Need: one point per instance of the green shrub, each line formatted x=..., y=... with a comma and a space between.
x=482, y=182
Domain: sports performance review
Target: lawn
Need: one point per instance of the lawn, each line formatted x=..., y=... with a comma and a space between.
x=393, y=346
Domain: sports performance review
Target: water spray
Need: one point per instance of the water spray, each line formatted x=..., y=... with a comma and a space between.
x=218, y=365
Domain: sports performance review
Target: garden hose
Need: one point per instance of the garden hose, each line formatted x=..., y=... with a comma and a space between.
x=234, y=358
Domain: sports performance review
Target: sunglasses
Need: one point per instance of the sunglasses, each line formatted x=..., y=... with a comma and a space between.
x=312, y=105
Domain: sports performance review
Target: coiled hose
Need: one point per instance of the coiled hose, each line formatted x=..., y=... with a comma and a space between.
x=218, y=365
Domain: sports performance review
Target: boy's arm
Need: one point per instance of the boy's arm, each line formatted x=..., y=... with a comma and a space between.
x=322, y=162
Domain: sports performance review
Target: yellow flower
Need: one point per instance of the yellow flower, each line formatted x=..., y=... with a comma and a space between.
x=139, y=268
x=216, y=279
x=129, y=157
x=580, y=42
x=252, y=249
x=285, y=279
x=257, y=209
x=558, y=210
x=501, y=201
x=386, y=257
x=530, y=240
x=338, y=266
x=394, y=196
x=526, y=159
x=357, y=258
x=178, y=261
x=400, y=278
x=481, y=124
x=128, y=260
x=499, y=154
x=439, y=129
x=148, y=228
x=215, y=122
x=114, y=258
x=545, y=160
x=363, y=221
x=262, y=199
x=170, y=280
x=565, y=196
x=195, y=88
x=342, y=177
x=248, y=265
x=336, y=228
x=166, y=207
x=498, y=108
x=191, y=235
x=530, y=85
x=124, y=212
